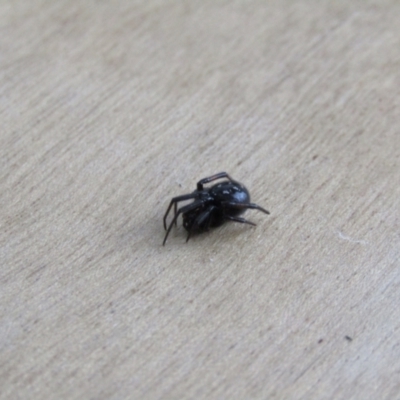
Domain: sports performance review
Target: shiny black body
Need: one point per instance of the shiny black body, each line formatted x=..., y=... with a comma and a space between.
x=212, y=206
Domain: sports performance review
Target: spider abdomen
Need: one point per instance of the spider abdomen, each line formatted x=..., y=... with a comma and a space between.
x=230, y=192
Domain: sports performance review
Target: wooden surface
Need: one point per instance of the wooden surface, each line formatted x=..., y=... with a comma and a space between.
x=109, y=109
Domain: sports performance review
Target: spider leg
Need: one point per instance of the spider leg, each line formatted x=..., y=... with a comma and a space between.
x=239, y=219
x=189, y=207
x=174, y=201
x=200, y=219
x=212, y=178
x=245, y=205
x=210, y=210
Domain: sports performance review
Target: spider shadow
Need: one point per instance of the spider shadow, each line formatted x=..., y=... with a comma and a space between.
x=228, y=233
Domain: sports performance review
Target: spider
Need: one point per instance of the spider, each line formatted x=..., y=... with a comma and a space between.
x=212, y=206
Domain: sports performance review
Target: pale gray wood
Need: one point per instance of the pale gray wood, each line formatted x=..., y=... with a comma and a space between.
x=109, y=109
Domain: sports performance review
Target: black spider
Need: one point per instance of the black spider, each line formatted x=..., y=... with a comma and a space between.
x=213, y=206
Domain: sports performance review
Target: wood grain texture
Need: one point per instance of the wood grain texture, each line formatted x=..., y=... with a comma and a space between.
x=109, y=109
